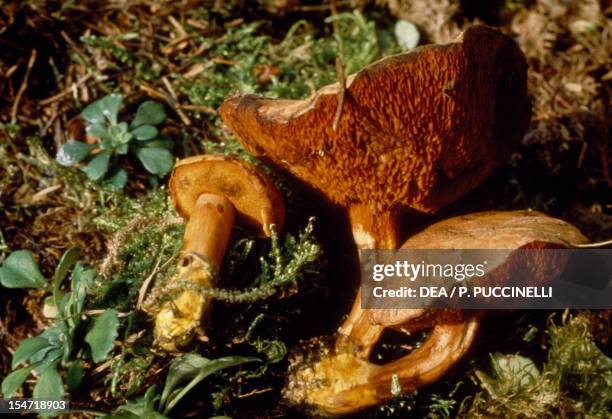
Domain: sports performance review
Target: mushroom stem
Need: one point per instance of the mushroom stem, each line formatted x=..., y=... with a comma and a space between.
x=205, y=241
x=348, y=381
x=357, y=334
x=374, y=229
x=353, y=383
x=371, y=230
x=208, y=230
x=446, y=345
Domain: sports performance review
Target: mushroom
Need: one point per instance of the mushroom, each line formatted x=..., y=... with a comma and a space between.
x=416, y=131
x=210, y=191
x=348, y=382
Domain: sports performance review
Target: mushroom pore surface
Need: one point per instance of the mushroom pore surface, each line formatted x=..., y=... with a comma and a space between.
x=417, y=130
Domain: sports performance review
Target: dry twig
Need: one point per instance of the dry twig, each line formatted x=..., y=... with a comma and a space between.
x=24, y=85
x=342, y=93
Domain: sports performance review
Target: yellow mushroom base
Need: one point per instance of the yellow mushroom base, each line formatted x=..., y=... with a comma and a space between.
x=342, y=383
x=179, y=319
x=318, y=386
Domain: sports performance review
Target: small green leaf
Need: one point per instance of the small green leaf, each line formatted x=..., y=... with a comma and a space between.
x=49, y=385
x=117, y=180
x=183, y=368
x=149, y=112
x=82, y=280
x=142, y=407
x=28, y=348
x=75, y=375
x=49, y=309
x=98, y=166
x=119, y=135
x=161, y=141
x=14, y=380
x=103, y=109
x=122, y=149
x=43, y=356
x=193, y=368
x=102, y=335
x=53, y=335
x=145, y=132
x=515, y=368
x=62, y=305
x=50, y=357
x=73, y=152
x=19, y=270
x=98, y=130
x=69, y=258
x=106, y=144
x=158, y=161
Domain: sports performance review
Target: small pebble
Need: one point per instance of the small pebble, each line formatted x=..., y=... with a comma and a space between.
x=406, y=34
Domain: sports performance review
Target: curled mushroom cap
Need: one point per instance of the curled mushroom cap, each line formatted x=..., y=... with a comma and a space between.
x=498, y=230
x=417, y=129
x=256, y=199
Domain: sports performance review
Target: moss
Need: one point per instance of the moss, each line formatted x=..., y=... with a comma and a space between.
x=142, y=67
x=574, y=381
x=296, y=66
x=285, y=266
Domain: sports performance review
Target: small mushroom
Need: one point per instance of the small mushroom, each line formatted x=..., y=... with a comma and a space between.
x=210, y=191
x=345, y=381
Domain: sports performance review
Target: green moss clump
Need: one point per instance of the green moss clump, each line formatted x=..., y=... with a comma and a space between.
x=285, y=266
x=296, y=66
x=575, y=380
x=140, y=66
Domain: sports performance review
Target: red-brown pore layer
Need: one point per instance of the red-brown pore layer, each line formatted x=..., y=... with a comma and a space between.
x=417, y=129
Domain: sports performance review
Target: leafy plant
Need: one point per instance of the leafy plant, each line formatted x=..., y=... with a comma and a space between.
x=101, y=161
x=185, y=372
x=59, y=345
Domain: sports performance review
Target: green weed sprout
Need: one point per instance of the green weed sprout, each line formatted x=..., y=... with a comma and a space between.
x=63, y=343
x=185, y=373
x=102, y=161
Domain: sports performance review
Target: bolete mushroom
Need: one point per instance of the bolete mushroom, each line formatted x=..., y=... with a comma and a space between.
x=210, y=191
x=416, y=131
x=345, y=381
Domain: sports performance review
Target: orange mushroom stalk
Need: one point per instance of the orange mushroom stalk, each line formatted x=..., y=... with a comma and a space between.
x=210, y=192
x=416, y=131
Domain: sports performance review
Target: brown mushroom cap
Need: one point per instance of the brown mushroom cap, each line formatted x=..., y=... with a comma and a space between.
x=417, y=129
x=256, y=199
